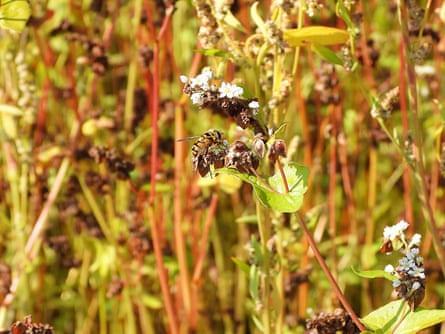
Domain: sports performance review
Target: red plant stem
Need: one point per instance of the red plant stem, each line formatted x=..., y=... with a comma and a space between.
x=155, y=103
x=163, y=274
x=327, y=272
x=283, y=176
x=203, y=244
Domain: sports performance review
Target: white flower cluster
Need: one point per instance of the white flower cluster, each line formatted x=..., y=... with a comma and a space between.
x=410, y=266
x=396, y=231
x=200, y=85
x=409, y=275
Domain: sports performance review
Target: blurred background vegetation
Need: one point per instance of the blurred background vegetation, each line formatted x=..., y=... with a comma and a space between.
x=104, y=226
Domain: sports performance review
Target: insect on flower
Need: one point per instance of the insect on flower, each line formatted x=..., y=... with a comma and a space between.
x=209, y=149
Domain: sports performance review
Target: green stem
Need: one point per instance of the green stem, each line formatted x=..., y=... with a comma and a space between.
x=264, y=230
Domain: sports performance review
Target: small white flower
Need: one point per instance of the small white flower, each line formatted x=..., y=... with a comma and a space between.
x=254, y=105
x=417, y=272
x=389, y=268
x=197, y=98
x=396, y=283
x=415, y=286
x=229, y=90
x=425, y=70
x=405, y=264
x=415, y=240
x=395, y=231
x=184, y=79
x=201, y=81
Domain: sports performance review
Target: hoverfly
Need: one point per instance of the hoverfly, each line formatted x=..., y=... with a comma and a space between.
x=209, y=149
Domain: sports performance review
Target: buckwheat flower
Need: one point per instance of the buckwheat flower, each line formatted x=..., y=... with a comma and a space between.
x=201, y=80
x=389, y=268
x=184, y=79
x=405, y=264
x=254, y=105
x=415, y=240
x=396, y=283
x=229, y=90
x=197, y=98
x=395, y=231
x=417, y=272
x=415, y=286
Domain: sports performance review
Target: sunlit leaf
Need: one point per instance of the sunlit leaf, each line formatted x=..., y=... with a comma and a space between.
x=152, y=302
x=14, y=14
x=233, y=22
x=343, y=12
x=278, y=200
x=374, y=274
x=257, y=18
x=327, y=54
x=315, y=35
x=214, y=53
x=386, y=318
x=419, y=320
x=244, y=267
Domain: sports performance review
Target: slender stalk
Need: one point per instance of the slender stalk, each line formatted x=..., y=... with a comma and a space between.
x=418, y=167
x=264, y=230
x=163, y=274
x=327, y=272
x=40, y=225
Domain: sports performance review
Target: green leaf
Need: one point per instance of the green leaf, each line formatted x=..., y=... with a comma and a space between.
x=14, y=14
x=233, y=22
x=241, y=265
x=373, y=274
x=385, y=317
x=254, y=283
x=214, y=53
x=315, y=35
x=278, y=200
x=327, y=54
x=257, y=18
x=343, y=12
x=152, y=302
x=420, y=319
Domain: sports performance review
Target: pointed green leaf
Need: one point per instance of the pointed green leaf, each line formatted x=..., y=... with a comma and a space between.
x=373, y=274
x=419, y=320
x=278, y=200
x=233, y=22
x=315, y=35
x=327, y=54
x=244, y=267
x=214, y=53
x=343, y=12
x=254, y=282
x=14, y=14
x=257, y=18
x=385, y=317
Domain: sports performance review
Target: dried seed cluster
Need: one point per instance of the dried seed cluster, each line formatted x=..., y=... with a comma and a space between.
x=331, y=323
x=327, y=84
x=28, y=327
x=115, y=164
x=96, y=56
